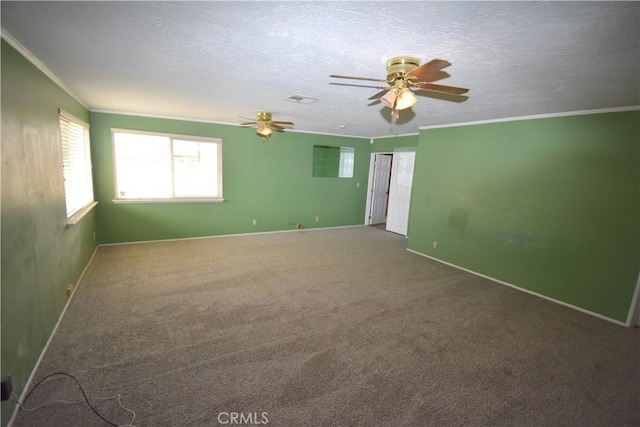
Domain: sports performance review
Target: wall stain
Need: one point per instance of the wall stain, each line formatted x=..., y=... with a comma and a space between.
x=459, y=219
x=516, y=240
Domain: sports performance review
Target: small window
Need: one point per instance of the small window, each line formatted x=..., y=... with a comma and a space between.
x=334, y=162
x=161, y=167
x=76, y=165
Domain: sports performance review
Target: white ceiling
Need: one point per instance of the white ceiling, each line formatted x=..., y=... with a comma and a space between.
x=216, y=61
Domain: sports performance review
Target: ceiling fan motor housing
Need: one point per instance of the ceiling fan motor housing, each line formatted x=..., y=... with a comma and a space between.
x=398, y=66
x=263, y=116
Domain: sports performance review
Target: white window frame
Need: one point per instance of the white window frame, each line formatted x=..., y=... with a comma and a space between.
x=173, y=199
x=76, y=169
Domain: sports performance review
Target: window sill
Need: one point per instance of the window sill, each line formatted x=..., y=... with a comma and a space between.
x=185, y=200
x=76, y=217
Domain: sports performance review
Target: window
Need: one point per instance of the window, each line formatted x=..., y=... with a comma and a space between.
x=161, y=167
x=76, y=166
x=347, y=157
x=334, y=162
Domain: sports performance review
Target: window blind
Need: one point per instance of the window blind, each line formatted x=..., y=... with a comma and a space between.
x=76, y=163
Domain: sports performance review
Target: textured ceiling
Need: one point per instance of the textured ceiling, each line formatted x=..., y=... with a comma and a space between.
x=216, y=61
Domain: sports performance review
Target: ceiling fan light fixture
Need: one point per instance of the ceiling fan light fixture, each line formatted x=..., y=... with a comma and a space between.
x=403, y=74
x=264, y=124
x=405, y=100
x=389, y=98
x=264, y=130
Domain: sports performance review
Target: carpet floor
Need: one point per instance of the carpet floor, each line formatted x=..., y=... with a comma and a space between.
x=336, y=327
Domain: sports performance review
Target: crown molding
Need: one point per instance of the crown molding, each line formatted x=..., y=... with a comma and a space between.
x=397, y=136
x=534, y=117
x=187, y=119
x=39, y=65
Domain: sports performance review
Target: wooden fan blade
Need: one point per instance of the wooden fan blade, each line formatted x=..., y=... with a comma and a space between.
x=247, y=119
x=440, y=88
x=433, y=65
x=443, y=96
x=423, y=72
x=430, y=76
x=282, y=123
x=348, y=84
x=379, y=94
x=247, y=123
x=276, y=127
x=358, y=78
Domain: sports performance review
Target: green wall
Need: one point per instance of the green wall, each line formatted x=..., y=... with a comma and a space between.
x=390, y=144
x=41, y=256
x=549, y=205
x=270, y=181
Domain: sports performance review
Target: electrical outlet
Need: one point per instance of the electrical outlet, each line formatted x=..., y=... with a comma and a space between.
x=435, y=245
x=317, y=219
x=69, y=290
x=7, y=387
x=255, y=222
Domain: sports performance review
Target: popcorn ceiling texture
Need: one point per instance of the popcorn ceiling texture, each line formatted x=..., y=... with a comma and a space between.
x=215, y=61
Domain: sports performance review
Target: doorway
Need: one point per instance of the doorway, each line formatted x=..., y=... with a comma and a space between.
x=389, y=190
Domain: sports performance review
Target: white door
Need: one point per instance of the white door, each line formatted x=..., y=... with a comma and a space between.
x=400, y=192
x=380, y=189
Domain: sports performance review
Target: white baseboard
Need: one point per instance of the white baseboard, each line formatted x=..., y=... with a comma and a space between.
x=582, y=310
x=46, y=346
x=217, y=236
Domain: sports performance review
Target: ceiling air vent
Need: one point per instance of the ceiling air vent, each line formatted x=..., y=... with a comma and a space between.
x=301, y=99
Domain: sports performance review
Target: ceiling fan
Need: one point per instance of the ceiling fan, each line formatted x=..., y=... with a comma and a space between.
x=404, y=75
x=264, y=124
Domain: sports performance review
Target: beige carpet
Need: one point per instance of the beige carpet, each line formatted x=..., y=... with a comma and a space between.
x=333, y=327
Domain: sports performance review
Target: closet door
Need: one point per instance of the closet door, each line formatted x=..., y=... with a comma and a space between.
x=400, y=192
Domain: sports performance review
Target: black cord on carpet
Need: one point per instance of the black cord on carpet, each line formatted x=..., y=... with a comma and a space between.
x=86, y=399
